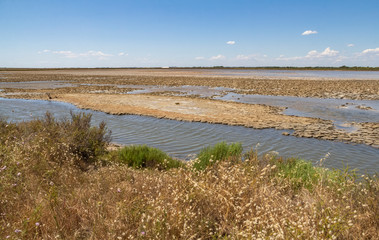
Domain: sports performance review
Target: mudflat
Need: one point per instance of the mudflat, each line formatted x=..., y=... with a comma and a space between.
x=99, y=89
x=263, y=85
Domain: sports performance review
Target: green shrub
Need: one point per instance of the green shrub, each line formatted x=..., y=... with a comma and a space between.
x=142, y=156
x=219, y=152
x=300, y=173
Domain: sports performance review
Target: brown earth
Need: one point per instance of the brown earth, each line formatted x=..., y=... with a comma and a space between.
x=312, y=87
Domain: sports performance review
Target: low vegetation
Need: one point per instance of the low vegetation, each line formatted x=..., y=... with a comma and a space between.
x=219, y=152
x=58, y=181
x=147, y=157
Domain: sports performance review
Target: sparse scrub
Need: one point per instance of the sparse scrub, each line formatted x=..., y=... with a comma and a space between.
x=219, y=152
x=44, y=194
x=142, y=156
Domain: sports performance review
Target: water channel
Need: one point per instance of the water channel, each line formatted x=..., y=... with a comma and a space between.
x=181, y=139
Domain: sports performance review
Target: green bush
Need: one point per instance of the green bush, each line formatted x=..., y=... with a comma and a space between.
x=219, y=152
x=300, y=173
x=142, y=156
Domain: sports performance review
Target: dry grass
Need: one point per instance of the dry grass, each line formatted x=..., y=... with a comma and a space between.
x=43, y=198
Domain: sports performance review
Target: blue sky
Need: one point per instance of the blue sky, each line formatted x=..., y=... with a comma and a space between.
x=157, y=33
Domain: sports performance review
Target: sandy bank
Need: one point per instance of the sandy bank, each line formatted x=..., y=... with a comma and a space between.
x=212, y=111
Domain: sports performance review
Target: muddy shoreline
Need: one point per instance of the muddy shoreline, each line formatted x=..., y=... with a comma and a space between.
x=219, y=112
x=102, y=93
x=318, y=88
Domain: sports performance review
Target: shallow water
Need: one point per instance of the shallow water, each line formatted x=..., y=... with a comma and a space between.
x=180, y=139
x=328, y=109
x=338, y=110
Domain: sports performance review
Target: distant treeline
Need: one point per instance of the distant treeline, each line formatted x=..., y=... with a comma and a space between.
x=344, y=68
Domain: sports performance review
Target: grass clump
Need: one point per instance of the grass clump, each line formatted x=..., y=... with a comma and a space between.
x=142, y=156
x=219, y=152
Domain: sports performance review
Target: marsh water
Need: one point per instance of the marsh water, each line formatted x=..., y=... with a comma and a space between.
x=339, y=111
x=181, y=139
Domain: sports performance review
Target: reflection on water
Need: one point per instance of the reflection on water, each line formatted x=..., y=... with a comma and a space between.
x=183, y=138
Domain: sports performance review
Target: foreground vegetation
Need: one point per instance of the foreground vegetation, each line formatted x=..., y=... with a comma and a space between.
x=58, y=181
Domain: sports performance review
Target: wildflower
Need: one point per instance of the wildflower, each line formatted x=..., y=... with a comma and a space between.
x=19, y=174
x=143, y=233
x=17, y=230
x=37, y=224
x=118, y=189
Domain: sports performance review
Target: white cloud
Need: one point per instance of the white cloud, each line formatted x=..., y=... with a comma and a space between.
x=95, y=54
x=327, y=53
x=218, y=57
x=67, y=54
x=70, y=54
x=283, y=58
x=123, y=54
x=44, y=51
x=231, y=42
x=199, y=58
x=309, y=32
x=374, y=51
x=350, y=45
x=244, y=57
